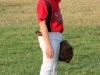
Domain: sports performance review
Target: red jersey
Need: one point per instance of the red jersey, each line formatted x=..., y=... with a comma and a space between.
x=49, y=10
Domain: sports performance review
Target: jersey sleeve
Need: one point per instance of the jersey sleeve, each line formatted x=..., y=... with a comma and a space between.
x=58, y=1
x=42, y=11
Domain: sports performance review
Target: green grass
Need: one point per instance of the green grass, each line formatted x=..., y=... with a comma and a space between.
x=20, y=53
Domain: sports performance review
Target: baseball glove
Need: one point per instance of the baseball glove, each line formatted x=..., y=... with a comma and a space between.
x=66, y=52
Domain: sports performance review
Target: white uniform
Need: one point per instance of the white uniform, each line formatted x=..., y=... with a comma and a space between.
x=49, y=66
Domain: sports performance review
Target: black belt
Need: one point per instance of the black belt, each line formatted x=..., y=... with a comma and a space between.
x=38, y=33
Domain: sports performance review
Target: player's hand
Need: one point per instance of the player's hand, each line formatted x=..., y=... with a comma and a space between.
x=49, y=51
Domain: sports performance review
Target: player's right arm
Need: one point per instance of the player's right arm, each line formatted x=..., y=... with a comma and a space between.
x=49, y=49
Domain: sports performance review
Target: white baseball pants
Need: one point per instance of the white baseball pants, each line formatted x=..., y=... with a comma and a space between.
x=49, y=66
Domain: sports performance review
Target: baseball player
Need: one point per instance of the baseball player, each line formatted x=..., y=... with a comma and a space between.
x=51, y=26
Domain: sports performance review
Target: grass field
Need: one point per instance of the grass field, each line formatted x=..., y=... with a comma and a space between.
x=20, y=53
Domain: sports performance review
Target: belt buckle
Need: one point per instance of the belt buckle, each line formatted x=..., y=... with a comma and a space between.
x=38, y=33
